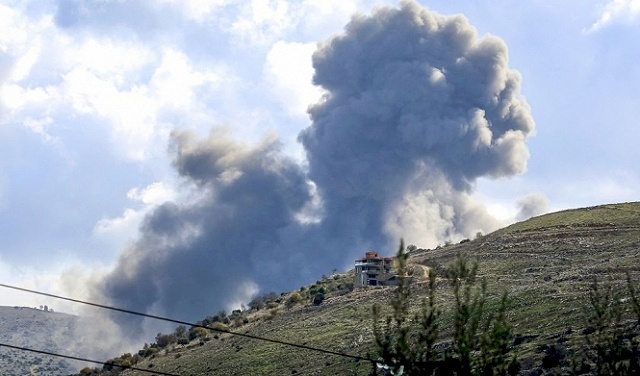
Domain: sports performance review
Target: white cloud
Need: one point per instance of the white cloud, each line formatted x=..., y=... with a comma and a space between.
x=115, y=60
x=130, y=112
x=625, y=11
x=322, y=16
x=289, y=71
x=15, y=34
x=124, y=227
x=198, y=10
x=154, y=194
x=175, y=80
x=22, y=42
x=262, y=21
x=136, y=89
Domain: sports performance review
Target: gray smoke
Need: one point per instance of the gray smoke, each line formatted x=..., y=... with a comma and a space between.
x=417, y=107
x=532, y=205
x=240, y=229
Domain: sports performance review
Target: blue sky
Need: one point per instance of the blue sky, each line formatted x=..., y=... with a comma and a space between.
x=90, y=92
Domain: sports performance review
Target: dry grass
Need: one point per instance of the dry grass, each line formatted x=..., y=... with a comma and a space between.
x=546, y=263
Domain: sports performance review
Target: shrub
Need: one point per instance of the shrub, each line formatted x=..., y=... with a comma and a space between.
x=220, y=327
x=148, y=351
x=164, y=340
x=612, y=346
x=120, y=363
x=197, y=332
x=257, y=303
x=318, y=298
x=181, y=332
x=481, y=340
x=294, y=299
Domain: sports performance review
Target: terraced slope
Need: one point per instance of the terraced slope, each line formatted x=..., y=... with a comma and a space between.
x=546, y=263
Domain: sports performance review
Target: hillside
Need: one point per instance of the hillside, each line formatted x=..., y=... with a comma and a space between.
x=37, y=329
x=546, y=263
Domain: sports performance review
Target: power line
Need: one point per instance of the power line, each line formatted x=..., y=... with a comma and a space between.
x=245, y=335
x=85, y=360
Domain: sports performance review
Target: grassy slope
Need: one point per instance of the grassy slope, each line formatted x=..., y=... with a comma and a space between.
x=546, y=263
x=34, y=329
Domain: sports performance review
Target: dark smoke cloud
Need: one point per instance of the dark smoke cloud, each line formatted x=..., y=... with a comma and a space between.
x=197, y=256
x=417, y=107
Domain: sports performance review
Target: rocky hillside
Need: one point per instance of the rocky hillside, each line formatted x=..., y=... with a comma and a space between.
x=546, y=264
x=36, y=329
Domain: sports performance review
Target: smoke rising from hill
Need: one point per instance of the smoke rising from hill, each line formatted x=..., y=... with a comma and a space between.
x=417, y=107
x=532, y=205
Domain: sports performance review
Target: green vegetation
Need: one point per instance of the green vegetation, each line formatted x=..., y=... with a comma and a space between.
x=481, y=340
x=611, y=344
x=547, y=263
x=603, y=216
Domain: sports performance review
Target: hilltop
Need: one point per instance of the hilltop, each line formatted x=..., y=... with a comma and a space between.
x=36, y=329
x=546, y=264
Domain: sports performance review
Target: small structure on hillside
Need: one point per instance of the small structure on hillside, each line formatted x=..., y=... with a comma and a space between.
x=373, y=270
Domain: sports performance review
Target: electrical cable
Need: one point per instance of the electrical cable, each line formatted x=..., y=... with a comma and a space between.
x=245, y=335
x=85, y=360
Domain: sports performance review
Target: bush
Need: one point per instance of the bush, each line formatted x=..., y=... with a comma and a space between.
x=612, y=346
x=120, y=363
x=481, y=340
x=257, y=304
x=148, y=351
x=181, y=332
x=164, y=340
x=197, y=332
x=294, y=299
x=220, y=327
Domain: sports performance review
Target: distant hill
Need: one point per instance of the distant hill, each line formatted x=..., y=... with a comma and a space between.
x=546, y=263
x=36, y=329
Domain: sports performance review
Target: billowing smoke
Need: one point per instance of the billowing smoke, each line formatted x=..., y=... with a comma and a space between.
x=238, y=231
x=531, y=206
x=417, y=107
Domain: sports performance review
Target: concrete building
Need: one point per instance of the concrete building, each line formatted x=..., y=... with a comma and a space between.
x=373, y=270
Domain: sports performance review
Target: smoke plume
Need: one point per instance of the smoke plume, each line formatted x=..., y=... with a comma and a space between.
x=417, y=107
x=531, y=206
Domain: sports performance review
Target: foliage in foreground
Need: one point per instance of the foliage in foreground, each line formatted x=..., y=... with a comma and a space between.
x=481, y=341
x=610, y=344
x=407, y=343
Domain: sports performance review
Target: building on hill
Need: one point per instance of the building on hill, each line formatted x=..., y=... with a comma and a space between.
x=373, y=270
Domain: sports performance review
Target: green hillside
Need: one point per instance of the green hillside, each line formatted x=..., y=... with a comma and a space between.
x=546, y=264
